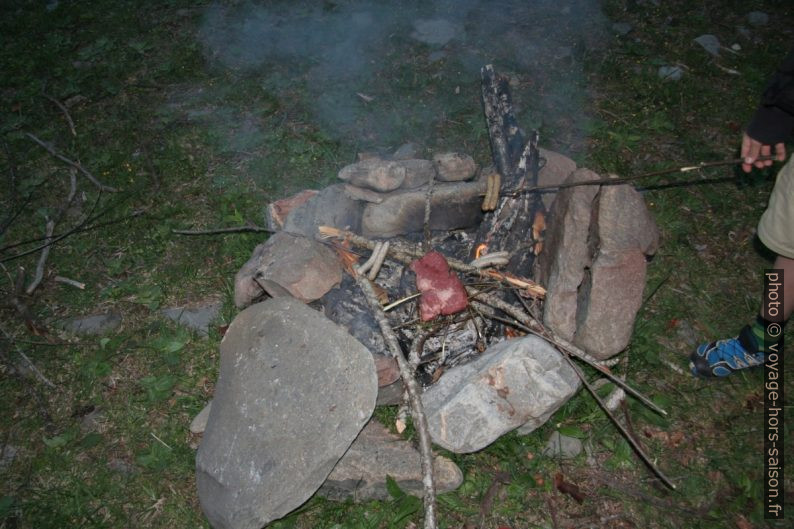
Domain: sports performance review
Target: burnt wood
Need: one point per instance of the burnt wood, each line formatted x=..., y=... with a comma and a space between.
x=516, y=225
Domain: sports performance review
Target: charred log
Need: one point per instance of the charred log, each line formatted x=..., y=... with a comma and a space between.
x=517, y=223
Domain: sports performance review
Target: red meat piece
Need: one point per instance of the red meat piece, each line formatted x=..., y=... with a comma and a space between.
x=442, y=291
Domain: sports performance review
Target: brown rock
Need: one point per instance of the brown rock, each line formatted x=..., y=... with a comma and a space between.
x=454, y=167
x=561, y=265
x=387, y=369
x=624, y=221
x=375, y=174
x=556, y=170
x=307, y=269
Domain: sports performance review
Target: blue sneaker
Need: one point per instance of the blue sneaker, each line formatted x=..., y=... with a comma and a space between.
x=723, y=357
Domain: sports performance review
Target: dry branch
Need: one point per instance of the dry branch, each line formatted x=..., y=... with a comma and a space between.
x=414, y=397
x=235, y=229
x=631, y=440
x=50, y=149
x=29, y=365
x=65, y=113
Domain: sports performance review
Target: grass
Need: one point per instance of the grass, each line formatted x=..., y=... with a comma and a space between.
x=192, y=142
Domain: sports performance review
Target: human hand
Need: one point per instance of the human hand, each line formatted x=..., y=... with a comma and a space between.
x=753, y=149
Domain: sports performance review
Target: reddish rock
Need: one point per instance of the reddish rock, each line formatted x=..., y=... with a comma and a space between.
x=442, y=291
x=277, y=211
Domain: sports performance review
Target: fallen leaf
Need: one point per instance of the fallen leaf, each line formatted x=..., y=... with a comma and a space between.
x=569, y=488
x=399, y=425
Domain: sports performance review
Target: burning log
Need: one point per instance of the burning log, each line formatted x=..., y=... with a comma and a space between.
x=516, y=223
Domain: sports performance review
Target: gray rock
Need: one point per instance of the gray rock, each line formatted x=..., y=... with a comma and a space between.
x=305, y=268
x=622, y=28
x=670, y=73
x=95, y=324
x=330, y=207
x=609, y=302
x=7, y=455
x=710, y=43
x=199, y=422
x=437, y=31
x=757, y=18
x=293, y=393
x=375, y=174
x=556, y=169
x=390, y=395
x=197, y=318
x=406, y=151
x=454, y=167
x=417, y=173
x=562, y=447
x=516, y=382
x=91, y=421
x=375, y=454
x=453, y=206
x=366, y=195
x=566, y=254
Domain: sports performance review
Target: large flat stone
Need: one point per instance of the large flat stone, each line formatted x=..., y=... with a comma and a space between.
x=514, y=383
x=375, y=454
x=609, y=302
x=624, y=222
x=294, y=391
x=566, y=254
x=453, y=206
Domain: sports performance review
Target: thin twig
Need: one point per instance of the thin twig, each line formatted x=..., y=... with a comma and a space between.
x=633, y=442
x=426, y=224
x=70, y=282
x=50, y=149
x=235, y=229
x=29, y=365
x=65, y=113
x=49, y=230
x=45, y=253
x=414, y=397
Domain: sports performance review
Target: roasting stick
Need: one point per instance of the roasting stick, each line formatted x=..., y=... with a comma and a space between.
x=614, y=181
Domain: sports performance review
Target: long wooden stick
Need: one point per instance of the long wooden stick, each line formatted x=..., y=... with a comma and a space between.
x=616, y=181
x=414, y=397
x=216, y=231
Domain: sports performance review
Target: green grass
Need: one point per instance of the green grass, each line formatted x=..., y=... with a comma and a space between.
x=193, y=143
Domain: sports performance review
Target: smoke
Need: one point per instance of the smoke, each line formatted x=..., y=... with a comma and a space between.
x=395, y=71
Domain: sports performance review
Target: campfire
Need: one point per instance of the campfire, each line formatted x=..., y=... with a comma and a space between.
x=458, y=277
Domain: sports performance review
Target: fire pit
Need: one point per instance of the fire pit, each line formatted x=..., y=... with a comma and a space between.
x=452, y=250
